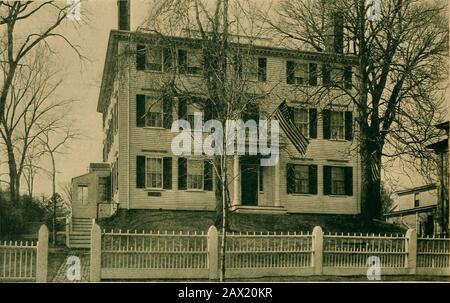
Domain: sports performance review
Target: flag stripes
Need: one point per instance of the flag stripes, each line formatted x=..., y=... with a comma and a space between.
x=283, y=115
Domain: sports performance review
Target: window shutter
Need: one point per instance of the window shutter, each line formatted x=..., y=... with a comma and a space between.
x=108, y=188
x=326, y=75
x=167, y=112
x=348, y=125
x=182, y=61
x=167, y=172
x=327, y=180
x=140, y=171
x=326, y=124
x=348, y=77
x=313, y=123
x=262, y=69
x=290, y=178
x=140, y=110
x=182, y=173
x=261, y=178
x=208, y=110
x=290, y=72
x=313, y=179
x=167, y=59
x=140, y=56
x=349, y=181
x=313, y=74
x=207, y=175
x=182, y=108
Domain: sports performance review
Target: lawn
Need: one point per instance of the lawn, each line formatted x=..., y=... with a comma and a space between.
x=202, y=220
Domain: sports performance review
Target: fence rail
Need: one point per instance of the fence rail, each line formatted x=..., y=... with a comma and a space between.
x=155, y=255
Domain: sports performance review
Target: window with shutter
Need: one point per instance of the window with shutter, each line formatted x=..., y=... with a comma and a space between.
x=302, y=179
x=337, y=125
x=194, y=174
x=338, y=180
x=301, y=120
x=154, y=173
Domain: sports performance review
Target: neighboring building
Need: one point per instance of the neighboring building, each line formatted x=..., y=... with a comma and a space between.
x=441, y=149
x=416, y=208
x=138, y=114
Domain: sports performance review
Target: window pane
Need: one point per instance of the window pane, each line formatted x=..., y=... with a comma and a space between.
x=154, y=112
x=154, y=59
x=337, y=125
x=301, y=174
x=301, y=73
x=194, y=174
x=338, y=180
x=154, y=173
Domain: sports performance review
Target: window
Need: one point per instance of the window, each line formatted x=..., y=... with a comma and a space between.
x=301, y=179
x=154, y=173
x=301, y=120
x=194, y=174
x=338, y=181
x=337, y=125
x=154, y=59
x=337, y=76
x=416, y=200
x=103, y=189
x=189, y=62
x=154, y=112
x=297, y=73
x=83, y=191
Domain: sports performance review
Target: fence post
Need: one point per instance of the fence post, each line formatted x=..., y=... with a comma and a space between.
x=213, y=253
x=42, y=254
x=411, y=246
x=317, y=247
x=96, y=251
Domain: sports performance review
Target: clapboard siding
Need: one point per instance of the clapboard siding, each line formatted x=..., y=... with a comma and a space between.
x=133, y=141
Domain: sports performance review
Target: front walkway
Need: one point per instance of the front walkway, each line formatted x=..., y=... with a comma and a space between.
x=61, y=275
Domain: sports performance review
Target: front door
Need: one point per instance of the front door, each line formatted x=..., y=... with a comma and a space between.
x=249, y=184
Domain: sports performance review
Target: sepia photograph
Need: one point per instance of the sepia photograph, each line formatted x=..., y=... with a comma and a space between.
x=237, y=141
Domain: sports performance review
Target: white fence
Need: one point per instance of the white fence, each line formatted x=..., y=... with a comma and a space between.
x=25, y=261
x=183, y=255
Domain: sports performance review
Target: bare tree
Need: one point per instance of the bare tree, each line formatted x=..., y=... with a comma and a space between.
x=399, y=88
x=29, y=110
x=53, y=142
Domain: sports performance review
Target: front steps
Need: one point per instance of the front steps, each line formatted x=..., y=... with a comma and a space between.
x=80, y=233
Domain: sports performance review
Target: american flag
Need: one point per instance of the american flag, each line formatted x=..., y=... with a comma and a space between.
x=284, y=116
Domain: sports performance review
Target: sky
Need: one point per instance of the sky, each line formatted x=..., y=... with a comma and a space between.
x=82, y=80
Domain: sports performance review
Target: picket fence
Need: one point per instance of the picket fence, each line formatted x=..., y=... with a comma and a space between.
x=23, y=260
x=196, y=255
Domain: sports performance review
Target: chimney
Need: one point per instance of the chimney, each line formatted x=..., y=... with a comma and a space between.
x=123, y=8
x=336, y=33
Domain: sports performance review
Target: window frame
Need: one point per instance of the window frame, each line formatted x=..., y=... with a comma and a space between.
x=295, y=109
x=160, y=158
x=188, y=175
x=332, y=126
x=306, y=72
x=147, y=112
x=147, y=57
x=343, y=181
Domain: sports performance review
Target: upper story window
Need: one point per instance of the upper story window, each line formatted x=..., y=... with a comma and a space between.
x=153, y=58
x=195, y=174
x=338, y=76
x=190, y=61
x=153, y=173
x=301, y=73
x=337, y=125
x=250, y=67
x=301, y=120
x=83, y=194
x=154, y=112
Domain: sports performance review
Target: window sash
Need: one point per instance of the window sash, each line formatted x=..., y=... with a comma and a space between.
x=154, y=112
x=194, y=174
x=153, y=173
x=154, y=59
x=301, y=120
x=301, y=179
x=337, y=125
x=338, y=181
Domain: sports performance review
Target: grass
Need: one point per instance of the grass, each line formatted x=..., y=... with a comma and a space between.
x=202, y=220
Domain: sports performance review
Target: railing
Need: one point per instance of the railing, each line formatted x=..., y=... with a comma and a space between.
x=25, y=261
x=433, y=256
x=154, y=254
x=262, y=254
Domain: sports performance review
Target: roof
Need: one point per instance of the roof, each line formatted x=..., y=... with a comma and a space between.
x=410, y=211
x=416, y=189
x=120, y=35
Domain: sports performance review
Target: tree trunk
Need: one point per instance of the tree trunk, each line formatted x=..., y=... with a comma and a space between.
x=14, y=178
x=371, y=207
